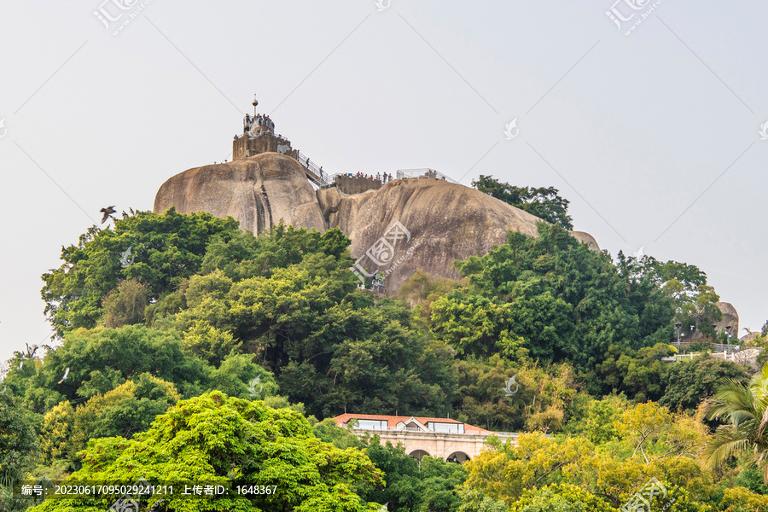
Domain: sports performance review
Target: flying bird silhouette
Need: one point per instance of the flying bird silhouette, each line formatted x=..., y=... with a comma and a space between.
x=107, y=213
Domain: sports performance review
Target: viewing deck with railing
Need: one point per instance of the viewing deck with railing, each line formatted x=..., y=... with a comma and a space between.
x=322, y=178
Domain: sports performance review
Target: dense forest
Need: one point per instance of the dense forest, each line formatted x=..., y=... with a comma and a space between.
x=188, y=350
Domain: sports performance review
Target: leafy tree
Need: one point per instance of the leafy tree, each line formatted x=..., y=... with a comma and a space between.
x=749, y=476
x=690, y=382
x=560, y=498
x=474, y=324
x=565, y=301
x=126, y=304
x=428, y=485
x=684, y=286
x=481, y=398
x=129, y=408
x=240, y=376
x=155, y=250
x=209, y=342
x=218, y=440
x=18, y=448
x=744, y=409
x=56, y=432
x=597, y=420
x=329, y=345
x=643, y=425
x=18, y=438
x=343, y=438
x=476, y=501
x=543, y=202
x=739, y=499
x=242, y=255
x=90, y=362
x=640, y=374
x=538, y=397
x=649, y=442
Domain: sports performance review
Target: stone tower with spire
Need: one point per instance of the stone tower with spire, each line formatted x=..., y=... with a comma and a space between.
x=259, y=137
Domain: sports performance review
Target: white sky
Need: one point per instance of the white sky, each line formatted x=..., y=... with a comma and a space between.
x=636, y=129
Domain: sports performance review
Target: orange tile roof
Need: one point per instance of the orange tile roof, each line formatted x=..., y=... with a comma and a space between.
x=392, y=421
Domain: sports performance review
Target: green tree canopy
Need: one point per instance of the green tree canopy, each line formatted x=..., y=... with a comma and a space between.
x=215, y=439
x=330, y=345
x=93, y=362
x=690, y=382
x=564, y=300
x=428, y=485
x=155, y=250
x=560, y=498
x=543, y=202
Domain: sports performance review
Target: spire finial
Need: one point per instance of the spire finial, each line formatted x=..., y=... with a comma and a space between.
x=255, y=104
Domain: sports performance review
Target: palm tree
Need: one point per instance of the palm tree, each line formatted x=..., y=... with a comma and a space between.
x=744, y=409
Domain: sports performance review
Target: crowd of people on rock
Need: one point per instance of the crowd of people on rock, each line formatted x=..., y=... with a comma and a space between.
x=380, y=177
x=262, y=120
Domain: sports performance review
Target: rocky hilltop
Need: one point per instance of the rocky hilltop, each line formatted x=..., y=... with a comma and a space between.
x=435, y=222
x=445, y=221
x=259, y=192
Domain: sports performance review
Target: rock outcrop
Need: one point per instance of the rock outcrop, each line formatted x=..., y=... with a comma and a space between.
x=259, y=192
x=586, y=239
x=729, y=322
x=445, y=222
x=437, y=222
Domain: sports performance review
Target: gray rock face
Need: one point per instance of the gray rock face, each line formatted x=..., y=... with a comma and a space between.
x=730, y=320
x=259, y=192
x=439, y=222
x=586, y=239
x=446, y=222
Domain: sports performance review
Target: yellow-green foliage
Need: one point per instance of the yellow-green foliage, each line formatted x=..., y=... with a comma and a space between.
x=739, y=499
x=651, y=443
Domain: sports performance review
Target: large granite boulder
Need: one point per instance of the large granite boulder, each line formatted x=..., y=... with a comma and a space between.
x=729, y=322
x=586, y=239
x=406, y=225
x=259, y=192
x=443, y=222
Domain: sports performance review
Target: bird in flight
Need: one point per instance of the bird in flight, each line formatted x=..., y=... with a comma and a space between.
x=107, y=213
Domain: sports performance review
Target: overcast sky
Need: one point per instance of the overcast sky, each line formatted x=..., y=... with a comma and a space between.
x=648, y=122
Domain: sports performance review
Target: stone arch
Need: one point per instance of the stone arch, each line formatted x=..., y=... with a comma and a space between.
x=459, y=457
x=418, y=454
